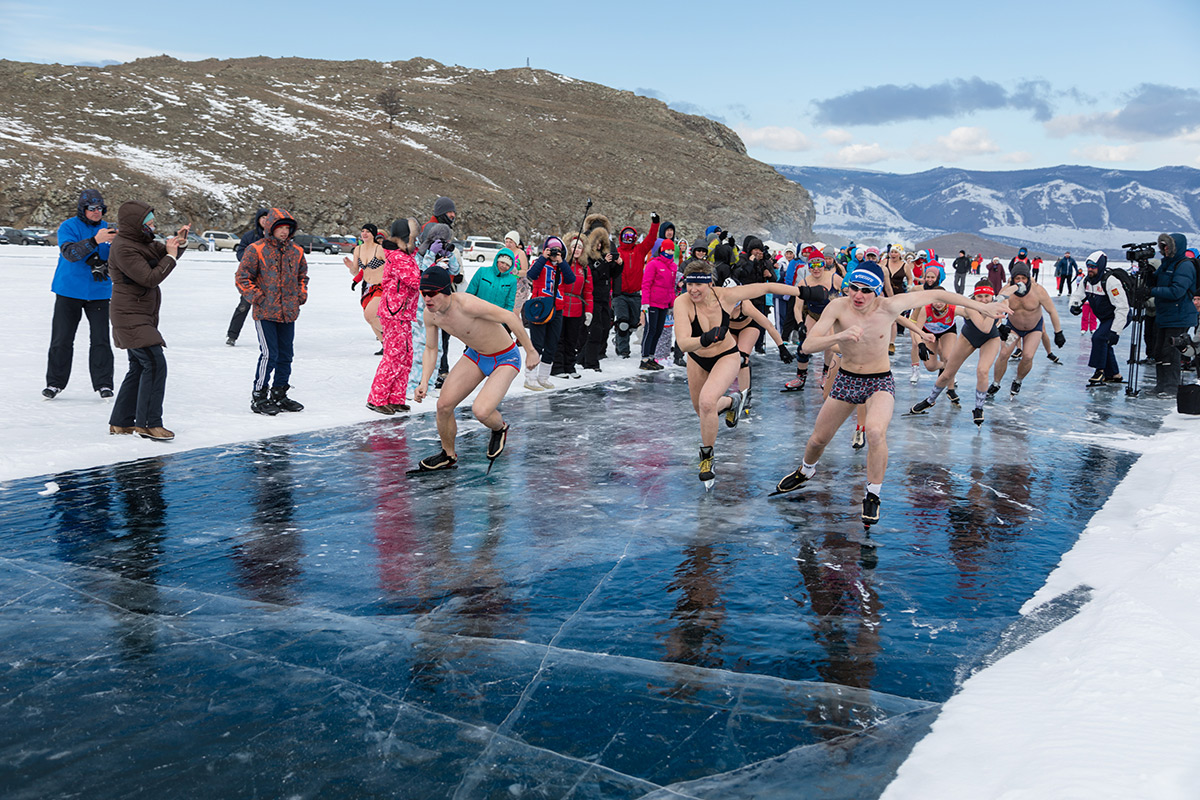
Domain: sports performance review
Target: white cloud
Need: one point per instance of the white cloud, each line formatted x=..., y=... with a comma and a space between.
x=1017, y=157
x=837, y=136
x=1107, y=154
x=859, y=154
x=774, y=137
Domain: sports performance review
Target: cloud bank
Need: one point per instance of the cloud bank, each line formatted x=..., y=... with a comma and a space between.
x=876, y=105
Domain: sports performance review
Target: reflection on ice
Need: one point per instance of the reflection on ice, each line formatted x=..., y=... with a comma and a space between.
x=296, y=617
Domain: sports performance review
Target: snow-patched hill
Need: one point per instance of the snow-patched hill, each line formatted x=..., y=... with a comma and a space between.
x=1052, y=209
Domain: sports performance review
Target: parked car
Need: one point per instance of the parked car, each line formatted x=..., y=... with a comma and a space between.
x=479, y=249
x=346, y=244
x=3, y=238
x=18, y=236
x=310, y=243
x=50, y=236
x=196, y=243
x=222, y=240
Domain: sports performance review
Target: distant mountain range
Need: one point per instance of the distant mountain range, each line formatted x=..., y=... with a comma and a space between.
x=1057, y=208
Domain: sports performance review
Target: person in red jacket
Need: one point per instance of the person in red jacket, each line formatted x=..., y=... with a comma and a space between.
x=576, y=307
x=273, y=278
x=627, y=292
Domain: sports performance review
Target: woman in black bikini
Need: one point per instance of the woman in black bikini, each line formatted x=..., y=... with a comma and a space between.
x=366, y=265
x=702, y=330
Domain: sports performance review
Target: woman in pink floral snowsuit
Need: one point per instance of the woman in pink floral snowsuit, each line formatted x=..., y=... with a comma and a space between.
x=397, y=309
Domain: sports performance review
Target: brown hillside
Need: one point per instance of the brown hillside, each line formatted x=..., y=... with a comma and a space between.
x=210, y=141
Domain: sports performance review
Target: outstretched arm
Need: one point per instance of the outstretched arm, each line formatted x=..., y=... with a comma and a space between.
x=428, y=357
x=753, y=290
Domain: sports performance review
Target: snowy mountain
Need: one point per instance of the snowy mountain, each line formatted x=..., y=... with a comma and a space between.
x=1053, y=209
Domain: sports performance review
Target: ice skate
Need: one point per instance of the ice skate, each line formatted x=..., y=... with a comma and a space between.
x=953, y=396
x=434, y=463
x=1097, y=378
x=916, y=375
x=791, y=482
x=920, y=408
x=870, y=509
x=993, y=389
x=1015, y=389
x=1053, y=358
x=796, y=383
x=735, y=409
x=1016, y=354
x=977, y=416
x=707, y=476
x=860, y=439
x=496, y=446
x=746, y=405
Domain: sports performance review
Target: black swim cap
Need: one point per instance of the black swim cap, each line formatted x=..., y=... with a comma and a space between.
x=436, y=279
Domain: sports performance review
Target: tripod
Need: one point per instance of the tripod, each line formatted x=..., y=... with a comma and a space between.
x=1135, y=350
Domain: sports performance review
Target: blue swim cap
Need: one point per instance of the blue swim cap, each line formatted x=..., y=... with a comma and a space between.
x=868, y=278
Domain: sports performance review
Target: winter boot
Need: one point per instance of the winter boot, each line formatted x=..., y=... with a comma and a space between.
x=260, y=403
x=282, y=401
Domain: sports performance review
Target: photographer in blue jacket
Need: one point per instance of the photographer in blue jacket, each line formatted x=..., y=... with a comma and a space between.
x=81, y=286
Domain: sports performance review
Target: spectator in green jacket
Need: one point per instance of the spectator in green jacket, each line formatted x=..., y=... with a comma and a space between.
x=498, y=283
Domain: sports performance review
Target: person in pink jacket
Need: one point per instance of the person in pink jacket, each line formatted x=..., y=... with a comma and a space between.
x=658, y=293
x=401, y=284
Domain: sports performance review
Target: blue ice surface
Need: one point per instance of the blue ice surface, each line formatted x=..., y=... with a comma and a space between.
x=296, y=617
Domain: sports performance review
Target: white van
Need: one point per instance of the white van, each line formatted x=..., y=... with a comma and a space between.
x=480, y=249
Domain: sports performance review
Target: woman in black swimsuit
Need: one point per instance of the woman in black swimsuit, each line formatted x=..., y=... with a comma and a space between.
x=702, y=331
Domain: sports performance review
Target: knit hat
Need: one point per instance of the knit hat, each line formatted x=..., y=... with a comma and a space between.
x=516, y=237
x=370, y=228
x=436, y=279
x=1019, y=269
x=90, y=197
x=443, y=205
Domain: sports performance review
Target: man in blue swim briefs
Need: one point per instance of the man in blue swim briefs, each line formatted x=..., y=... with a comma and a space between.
x=860, y=324
x=491, y=358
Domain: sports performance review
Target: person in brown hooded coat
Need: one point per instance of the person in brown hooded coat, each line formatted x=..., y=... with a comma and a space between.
x=137, y=264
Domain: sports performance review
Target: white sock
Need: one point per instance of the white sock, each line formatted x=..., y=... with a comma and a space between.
x=807, y=469
x=875, y=488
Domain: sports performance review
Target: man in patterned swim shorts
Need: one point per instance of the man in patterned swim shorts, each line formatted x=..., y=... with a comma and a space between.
x=860, y=325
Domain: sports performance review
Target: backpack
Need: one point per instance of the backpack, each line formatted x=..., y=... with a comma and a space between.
x=1128, y=282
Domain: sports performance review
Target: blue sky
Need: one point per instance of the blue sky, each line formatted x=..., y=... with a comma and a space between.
x=898, y=87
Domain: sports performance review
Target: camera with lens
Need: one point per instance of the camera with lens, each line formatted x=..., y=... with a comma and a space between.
x=1139, y=253
x=1187, y=344
x=554, y=251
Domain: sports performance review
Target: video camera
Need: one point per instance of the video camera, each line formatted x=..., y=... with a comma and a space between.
x=1139, y=253
x=1144, y=279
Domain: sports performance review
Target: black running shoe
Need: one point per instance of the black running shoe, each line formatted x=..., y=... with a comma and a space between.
x=870, y=509
x=977, y=415
x=993, y=390
x=439, y=461
x=497, y=442
x=791, y=482
x=706, y=464
x=921, y=407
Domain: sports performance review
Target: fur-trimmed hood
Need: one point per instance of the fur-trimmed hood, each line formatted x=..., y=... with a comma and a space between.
x=597, y=232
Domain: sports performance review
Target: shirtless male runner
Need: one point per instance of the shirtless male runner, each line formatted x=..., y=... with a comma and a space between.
x=491, y=357
x=861, y=324
x=1026, y=300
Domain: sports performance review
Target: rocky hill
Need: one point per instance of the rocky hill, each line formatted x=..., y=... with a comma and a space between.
x=210, y=141
x=1057, y=208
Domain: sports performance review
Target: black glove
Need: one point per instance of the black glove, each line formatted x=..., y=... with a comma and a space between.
x=99, y=267
x=654, y=217
x=1059, y=339
x=1113, y=337
x=802, y=329
x=1005, y=329
x=354, y=283
x=1077, y=310
x=785, y=355
x=923, y=351
x=458, y=278
x=711, y=336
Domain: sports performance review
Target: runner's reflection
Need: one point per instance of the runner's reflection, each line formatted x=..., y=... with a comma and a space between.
x=268, y=556
x=699, y=613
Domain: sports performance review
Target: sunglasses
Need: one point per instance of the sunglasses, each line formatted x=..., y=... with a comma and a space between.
x=854, y=287
x=430, y=293
x=95, y=208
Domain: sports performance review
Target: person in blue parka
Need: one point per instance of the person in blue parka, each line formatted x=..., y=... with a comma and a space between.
x=81, y=286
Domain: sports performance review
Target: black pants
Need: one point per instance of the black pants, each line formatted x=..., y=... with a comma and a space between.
x=627, y=314
x=67, y=313
x=140, y=399
x=1169, y=366
x=239, y=319
x=573, y=337
x=787, y=317
x=596, y=346
x=655, y=319
x=960, y=282
x=545, y=337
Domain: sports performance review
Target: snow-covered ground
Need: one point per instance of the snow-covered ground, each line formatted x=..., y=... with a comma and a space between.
x=1104, y=705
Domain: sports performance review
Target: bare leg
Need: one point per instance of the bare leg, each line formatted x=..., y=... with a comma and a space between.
x=987, y=354
x=461, y=381
x=1028, y=348
x=831, y=416
x=961, y=352
x=371, y=315
x=879, y=408
x=746, y=338
x=486, y=407
x=1006, y=350
x=708, y=394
